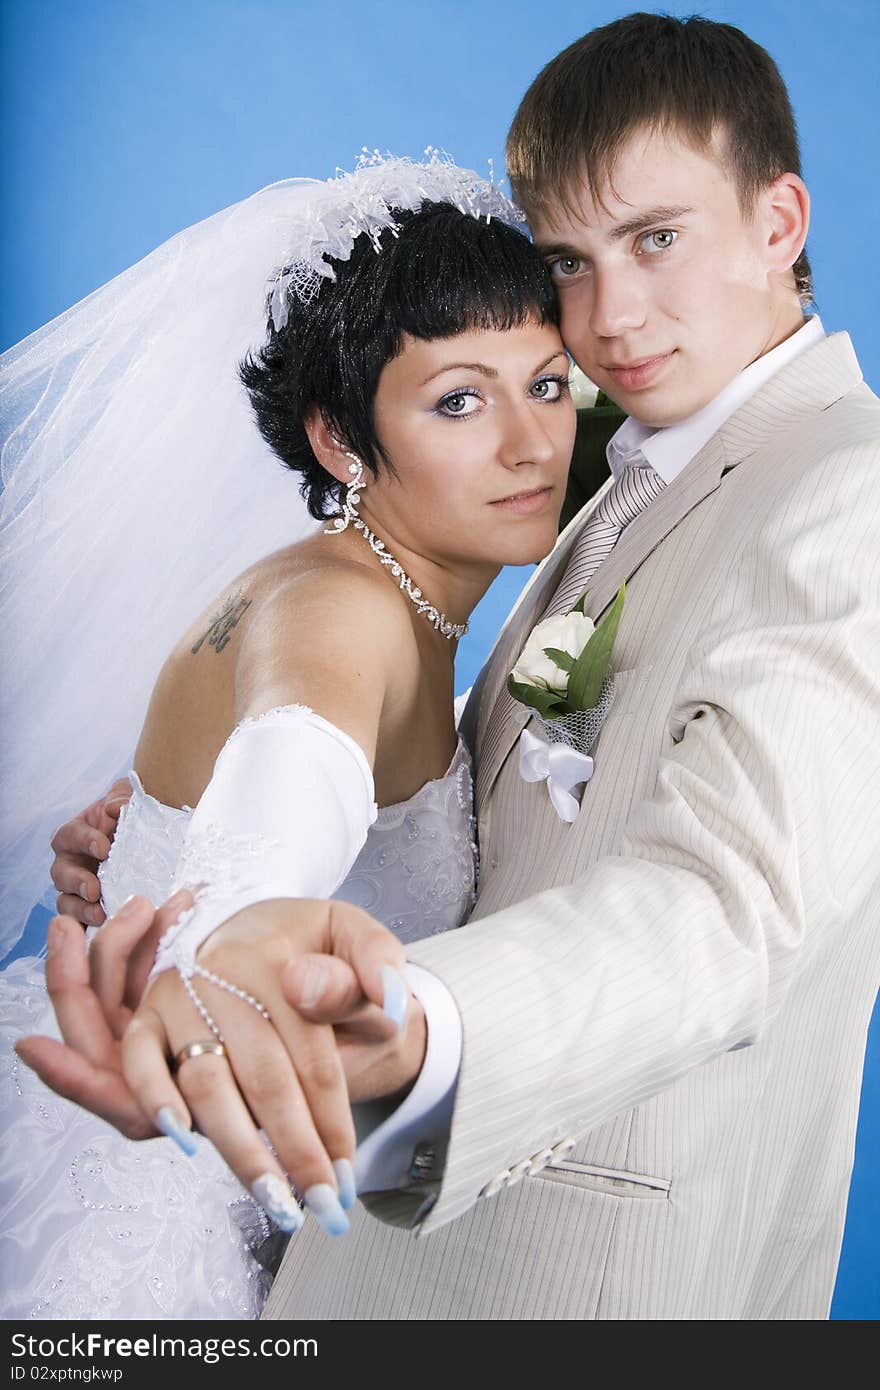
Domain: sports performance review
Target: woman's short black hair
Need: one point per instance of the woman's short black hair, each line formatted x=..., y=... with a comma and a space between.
x=444, y=272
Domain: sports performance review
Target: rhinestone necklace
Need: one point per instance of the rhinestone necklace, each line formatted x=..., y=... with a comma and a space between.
x=436, y=619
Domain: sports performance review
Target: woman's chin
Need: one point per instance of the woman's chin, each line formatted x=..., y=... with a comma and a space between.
x=532, y=549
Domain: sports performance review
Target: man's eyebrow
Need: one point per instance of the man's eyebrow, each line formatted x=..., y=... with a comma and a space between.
x=462, y=366
x=557, y=248
x=651, y=217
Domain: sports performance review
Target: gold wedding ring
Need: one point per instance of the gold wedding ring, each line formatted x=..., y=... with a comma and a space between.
x=202, y=1048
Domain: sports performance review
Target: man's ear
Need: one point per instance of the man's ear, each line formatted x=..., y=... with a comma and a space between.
x=328, y=449
x=785, y=215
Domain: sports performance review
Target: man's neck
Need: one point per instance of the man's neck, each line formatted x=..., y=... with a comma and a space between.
x=789, y=320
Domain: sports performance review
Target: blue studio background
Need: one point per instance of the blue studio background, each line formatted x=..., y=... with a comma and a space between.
x=124, y=122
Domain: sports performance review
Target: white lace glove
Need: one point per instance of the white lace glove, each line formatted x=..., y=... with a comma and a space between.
x=284, y=815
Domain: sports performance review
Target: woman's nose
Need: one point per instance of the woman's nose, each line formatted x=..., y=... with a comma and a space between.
x=526, y=437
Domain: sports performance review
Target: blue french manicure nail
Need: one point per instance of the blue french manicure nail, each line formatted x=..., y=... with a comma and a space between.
x=345, y=1182
x=394, y=999
x=276, y=1198
x=323, y=1203
x=170, y=1123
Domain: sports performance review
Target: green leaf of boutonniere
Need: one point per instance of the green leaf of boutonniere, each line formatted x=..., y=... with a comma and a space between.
x=548, y=703
x=564, y=660
x=579, y=606
x=585, y=681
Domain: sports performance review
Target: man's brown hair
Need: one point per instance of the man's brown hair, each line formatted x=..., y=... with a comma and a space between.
x=692, y=76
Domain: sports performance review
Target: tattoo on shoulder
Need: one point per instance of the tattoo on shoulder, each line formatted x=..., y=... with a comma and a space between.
x=220, y=627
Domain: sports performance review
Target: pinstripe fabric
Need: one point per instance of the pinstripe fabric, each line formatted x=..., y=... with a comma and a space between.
x=683, y=978
x=632, y=492
x=619, y=505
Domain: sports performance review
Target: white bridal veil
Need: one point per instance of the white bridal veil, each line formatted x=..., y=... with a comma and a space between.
x=136, y=484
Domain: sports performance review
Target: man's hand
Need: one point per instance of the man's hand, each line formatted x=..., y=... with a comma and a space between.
x=380, y=1061
x=80, y=845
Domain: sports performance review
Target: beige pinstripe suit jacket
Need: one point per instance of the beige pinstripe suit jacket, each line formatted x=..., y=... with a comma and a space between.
x=682, y=979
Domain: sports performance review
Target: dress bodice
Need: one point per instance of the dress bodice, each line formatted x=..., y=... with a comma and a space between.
x=416, y=872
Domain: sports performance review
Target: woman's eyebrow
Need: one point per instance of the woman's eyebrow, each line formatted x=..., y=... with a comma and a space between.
x=486, y=370
x=462, y=366
x=552, y=358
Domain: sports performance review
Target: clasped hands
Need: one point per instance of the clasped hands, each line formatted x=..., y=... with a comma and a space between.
x=342, y=1027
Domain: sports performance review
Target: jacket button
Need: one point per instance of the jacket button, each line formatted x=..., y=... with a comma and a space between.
x=519, y=1170
x=564, y=1148
x=423, y=1162
x=502, y=1179
x=539, y=1161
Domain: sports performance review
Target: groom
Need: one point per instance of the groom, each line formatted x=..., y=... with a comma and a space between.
x=663, y=1005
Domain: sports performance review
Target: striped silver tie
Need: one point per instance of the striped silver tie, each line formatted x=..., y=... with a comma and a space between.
x=638, y=485
x=635, y=488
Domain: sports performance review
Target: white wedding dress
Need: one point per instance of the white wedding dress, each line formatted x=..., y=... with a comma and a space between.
x=95, y=1226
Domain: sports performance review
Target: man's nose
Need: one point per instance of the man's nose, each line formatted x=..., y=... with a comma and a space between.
x=618, y=302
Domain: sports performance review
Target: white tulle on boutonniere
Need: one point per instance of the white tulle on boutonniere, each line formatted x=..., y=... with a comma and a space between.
x=563, y=674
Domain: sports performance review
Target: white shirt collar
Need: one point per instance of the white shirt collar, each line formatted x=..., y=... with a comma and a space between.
x=669, y=449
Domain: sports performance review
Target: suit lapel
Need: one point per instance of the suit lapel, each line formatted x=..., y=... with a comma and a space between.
x=489, y=693
x=809, y=384
x=643, y=535
x=506, y=716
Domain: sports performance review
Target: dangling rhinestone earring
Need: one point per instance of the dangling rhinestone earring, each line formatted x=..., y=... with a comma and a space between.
x=352, y=497
x=437, y=619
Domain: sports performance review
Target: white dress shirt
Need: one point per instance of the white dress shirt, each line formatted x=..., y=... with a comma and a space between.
x=385, y=1155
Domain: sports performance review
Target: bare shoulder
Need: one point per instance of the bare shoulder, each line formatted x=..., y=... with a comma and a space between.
x=332, y=635
x=325, y=607
x=300, y=626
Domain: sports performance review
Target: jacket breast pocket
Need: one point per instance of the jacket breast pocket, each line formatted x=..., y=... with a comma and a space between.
x=630, y=689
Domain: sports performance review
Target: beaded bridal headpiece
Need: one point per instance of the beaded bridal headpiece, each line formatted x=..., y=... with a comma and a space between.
x=364, y=202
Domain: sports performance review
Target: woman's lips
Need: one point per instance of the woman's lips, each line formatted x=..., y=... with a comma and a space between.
x=524, y=503
x=640, y=374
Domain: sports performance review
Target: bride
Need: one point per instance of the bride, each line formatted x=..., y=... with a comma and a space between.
x=414, y=381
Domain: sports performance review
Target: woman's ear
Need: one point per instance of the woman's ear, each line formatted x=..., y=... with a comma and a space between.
x=334, y=456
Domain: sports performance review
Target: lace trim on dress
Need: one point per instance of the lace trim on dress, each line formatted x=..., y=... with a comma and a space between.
x=418, y=870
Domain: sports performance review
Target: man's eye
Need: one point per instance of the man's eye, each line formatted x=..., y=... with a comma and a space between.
x=564, y=267
x=658, y=241
x=459, y=405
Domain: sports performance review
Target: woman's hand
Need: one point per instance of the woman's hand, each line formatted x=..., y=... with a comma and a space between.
x=283, y=1074
x=320, y=954
x=89, y=992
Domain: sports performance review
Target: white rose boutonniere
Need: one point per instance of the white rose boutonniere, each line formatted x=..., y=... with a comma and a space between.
x=566, y=632
x=563, y=675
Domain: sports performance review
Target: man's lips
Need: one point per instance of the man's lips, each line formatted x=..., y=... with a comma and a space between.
x=642, y=371
x=525, y=502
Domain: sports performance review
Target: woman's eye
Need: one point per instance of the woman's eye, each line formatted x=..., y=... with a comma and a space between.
x=564, y=267
x=460, y=404
x=549, y=388
x=658, y=241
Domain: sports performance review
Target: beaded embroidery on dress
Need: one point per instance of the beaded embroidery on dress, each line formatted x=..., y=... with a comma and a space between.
x=99, y=1227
